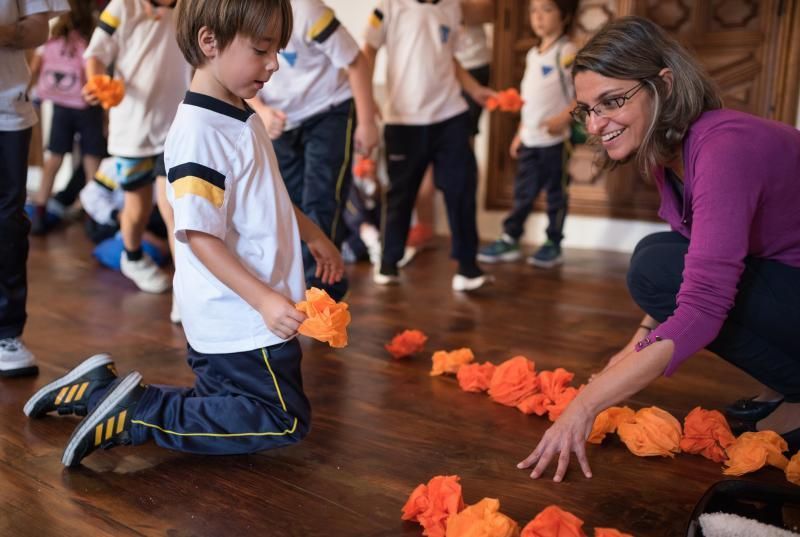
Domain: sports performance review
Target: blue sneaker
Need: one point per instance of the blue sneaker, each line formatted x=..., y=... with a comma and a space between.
x=503, y=249
x=548, y=256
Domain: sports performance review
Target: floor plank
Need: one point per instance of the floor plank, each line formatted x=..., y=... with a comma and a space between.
x=381, y=426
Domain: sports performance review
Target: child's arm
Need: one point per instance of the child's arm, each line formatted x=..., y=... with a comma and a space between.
x=330, y=267
x=278, y=312
x=557, y=123
x=360, y=74
x=35, y=66
x=478, y=93
x=274, y=120
x=28, y=32
x=93, y=67
x=370, y=53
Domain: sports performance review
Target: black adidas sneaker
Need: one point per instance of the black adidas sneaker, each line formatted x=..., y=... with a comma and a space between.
x=70, y=394
x=109, y=424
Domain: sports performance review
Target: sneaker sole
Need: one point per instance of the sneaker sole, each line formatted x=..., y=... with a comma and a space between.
x=80, y=370
x=502, y=258
x=98, y=415
x=29, y=371
x=461, y=288
x=546, y=264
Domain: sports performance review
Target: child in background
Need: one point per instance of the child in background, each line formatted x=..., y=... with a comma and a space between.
x=427, y=122
x=58, y=73
x=539, y=143
x=140, y=42
x=319, y=107
x=239, y=267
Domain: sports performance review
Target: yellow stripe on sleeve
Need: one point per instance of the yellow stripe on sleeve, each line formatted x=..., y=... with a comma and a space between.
x=198, y=187
x=109, y=19
x=374, y=21
x=321, y=24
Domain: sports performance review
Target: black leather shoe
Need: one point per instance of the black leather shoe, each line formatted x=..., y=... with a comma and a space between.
x=793, y=439
x=751, y=410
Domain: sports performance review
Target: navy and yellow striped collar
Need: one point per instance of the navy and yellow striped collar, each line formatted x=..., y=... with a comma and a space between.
x=215, y=105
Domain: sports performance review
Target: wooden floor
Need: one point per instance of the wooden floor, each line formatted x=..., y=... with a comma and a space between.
x=380, y=426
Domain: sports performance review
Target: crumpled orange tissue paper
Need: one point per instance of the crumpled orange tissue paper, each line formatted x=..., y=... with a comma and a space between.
x=506, y=101
x=750, y=451
x=652, y=432
x=706, y=432
x=476, y=377
x=554, y=522
x=109, y=91
x=364, y=167
x=563, y=400
x=482, y=519
x=793, y=469
x=607, y=422
x=327, y=320
x=450, y=362
x=432, y=504
x=552, y=384
x=610, y=532
x=514, y=381
x=406, y=343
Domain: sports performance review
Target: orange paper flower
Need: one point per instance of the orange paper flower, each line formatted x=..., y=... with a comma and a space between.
x=554, y=522
x=327, y=320
x=610, y=532
x=483, y=519
x=563, y=400
x=432, y=504
x=109, y=91
x=607, y=422
x=450, y=362
x=364, y=167
x=506, y=101
x=706, y=432
x=406, y=343
x=793, y=469
x=514, y=381
x=652, y=432
x=475, y=377
x=751, y=451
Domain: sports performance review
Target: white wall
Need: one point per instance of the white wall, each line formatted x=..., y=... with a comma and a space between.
x=580, y=231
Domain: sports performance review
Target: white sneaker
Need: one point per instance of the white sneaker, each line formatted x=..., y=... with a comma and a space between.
x=384, y=279
x=15, y=359
x=145, y=274
x=408, y=256
x=464, y=283
x=174, y=312
x=371, y=237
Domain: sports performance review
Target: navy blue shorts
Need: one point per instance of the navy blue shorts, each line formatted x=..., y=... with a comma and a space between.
x=86, y=123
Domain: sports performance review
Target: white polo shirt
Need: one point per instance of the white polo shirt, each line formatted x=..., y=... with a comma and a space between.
x=147, y=58
x=16, y=109
x=223, y=179
x=312, y=74
x=420, y=40
x=546, y=92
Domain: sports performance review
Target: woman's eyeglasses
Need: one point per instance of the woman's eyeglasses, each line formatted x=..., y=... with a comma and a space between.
x=605, y=108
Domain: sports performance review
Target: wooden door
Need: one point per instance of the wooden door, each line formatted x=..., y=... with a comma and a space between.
x=750, y=47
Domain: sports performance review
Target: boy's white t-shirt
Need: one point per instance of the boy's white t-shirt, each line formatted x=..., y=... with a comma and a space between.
x=472, y=50
x=156, y=75
x=16, y=110
x=312, y=74
x=420, y=40
x=223, y=180
x=544, y=93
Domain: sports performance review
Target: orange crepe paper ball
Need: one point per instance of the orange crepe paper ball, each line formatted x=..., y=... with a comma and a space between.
x=364, y=167
x=506, y=101
x=432, y=504
x=450, y=362
x=554, y=522
x=514, y=381
x=109, y=91
x=653, y=432
x=406, y=343
x=475, y=377
x=483, y=519
x=793, y=469
x=327, y=320
x=607, y=422
x=706, y=432
x=751, y=451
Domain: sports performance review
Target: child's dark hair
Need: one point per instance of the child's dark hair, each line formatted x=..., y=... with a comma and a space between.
x=79, y=18
x=226, y=18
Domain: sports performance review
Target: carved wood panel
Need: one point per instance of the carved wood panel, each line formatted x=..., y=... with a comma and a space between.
x=750, y=47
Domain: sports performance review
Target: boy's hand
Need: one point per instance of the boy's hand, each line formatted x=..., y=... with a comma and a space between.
x=330, y=266
x=280, y=315
x=275, y=123
x=480, y=94
x=366, y=137
x=556, y=124
x=514, y=149
x=89, y=96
